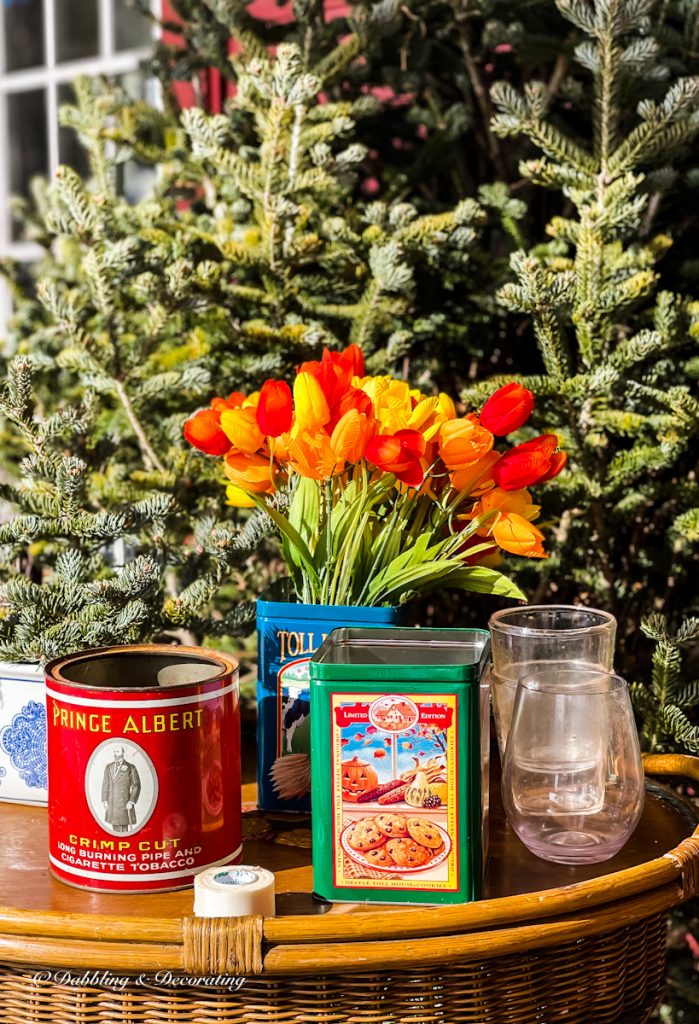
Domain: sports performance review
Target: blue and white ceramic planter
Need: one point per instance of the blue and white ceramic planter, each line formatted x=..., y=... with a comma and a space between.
x=288, y=635
x=23, y=765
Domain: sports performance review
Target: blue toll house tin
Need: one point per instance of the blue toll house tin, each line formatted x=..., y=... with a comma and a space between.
x=288, y=635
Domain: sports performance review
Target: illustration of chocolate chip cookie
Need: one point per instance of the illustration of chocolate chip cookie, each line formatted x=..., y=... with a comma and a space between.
x=365, y=835
x=407, y=853
x=379, y=857
x=424, y=833
x=392, y=825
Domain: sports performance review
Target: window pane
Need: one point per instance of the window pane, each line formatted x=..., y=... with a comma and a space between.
x=24, y=33
x=132, y=29
x=135, y=180
x=28, y=144
x=70, y=150
x=77, y=32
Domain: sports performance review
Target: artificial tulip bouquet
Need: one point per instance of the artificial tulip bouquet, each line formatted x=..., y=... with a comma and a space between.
x=378, y=491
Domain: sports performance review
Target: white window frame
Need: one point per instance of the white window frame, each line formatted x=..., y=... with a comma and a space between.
x=49, y=76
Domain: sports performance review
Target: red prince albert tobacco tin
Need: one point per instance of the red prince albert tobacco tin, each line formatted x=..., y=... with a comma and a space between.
x=144, y=766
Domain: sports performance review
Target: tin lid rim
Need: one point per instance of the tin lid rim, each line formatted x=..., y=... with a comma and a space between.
x=464, y=672
x=225, y=663
x=388, y=614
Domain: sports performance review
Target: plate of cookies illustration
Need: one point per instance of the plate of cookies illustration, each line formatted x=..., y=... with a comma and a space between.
x=395, y=842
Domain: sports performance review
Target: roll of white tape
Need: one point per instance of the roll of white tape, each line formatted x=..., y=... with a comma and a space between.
x=234, y=891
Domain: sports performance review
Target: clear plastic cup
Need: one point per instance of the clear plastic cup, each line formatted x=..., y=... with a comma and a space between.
x=572, y=782
x=524, y=638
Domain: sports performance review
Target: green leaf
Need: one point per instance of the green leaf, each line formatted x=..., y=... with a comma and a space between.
x=304, y=510
x=482, y=580
x=296, y=545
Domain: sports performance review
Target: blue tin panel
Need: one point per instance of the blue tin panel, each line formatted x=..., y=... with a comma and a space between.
x=288, y=635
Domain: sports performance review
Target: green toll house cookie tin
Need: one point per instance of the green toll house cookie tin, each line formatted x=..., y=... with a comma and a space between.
x=400, y=741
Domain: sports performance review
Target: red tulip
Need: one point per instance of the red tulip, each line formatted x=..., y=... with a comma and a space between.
x=526, y=464
x=234, y=401
x=351, y=359
x=353, y=398
x=334, y=373
x=203, y=430
x=275, y=408
x=507, y=410
x=400, y=454
x=558, y=461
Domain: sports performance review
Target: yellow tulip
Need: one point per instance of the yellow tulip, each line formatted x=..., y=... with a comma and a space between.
x=422, y=412
x=393, y=406
x=446, y=410
x=238, y=498
x=311, y=406
x=240, y=427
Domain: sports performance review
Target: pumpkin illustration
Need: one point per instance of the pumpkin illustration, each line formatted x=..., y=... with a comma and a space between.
x=357, y=777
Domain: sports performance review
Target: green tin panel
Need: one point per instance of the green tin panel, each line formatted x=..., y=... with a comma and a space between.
x=385, y=702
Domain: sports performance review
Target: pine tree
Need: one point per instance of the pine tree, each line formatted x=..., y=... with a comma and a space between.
x=617, y=349
x=395, y=63
x=619, y=75
x=249, y=253
x=81, y=599
x=258, y=243
x=666, y=706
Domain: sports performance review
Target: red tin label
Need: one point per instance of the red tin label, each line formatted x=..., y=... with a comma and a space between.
x=144, y=784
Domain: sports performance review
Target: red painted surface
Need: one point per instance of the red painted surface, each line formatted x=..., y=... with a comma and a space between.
x=214, y=88
x=167, y=807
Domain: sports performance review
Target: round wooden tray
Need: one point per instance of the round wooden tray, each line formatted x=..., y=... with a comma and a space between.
x=571, y=915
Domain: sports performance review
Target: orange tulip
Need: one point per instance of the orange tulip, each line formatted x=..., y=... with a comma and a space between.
x=203, y=430
x=519, y=537
x=463, y=441
x=510, y=526
x=312, y=411
x=527, y=463
x=351, y=436
x=507, y=409
x=275, y=408
x=476, y=477
x=311, y=455
x=506, y=502
x=401, y=454
x=240, y=427
x=249, y=472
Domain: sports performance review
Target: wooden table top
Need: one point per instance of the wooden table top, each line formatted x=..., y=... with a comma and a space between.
x=25, y=882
